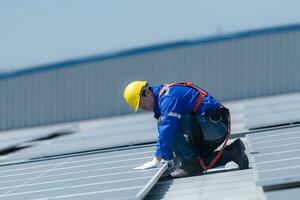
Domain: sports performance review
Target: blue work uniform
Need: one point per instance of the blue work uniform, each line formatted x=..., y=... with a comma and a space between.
x=175, y=102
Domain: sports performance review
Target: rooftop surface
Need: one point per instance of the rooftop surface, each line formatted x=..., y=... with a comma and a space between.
x=94, y=159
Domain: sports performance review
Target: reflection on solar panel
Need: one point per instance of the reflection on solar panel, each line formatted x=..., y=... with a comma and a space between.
x=276, y=156
x=106, y=175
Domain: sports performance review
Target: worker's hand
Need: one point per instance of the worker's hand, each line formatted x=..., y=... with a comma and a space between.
x=154, y=163
x=169, y=162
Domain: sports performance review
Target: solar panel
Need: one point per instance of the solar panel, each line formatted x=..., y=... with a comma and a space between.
x=100, y=136
x=236, y=184
x=272, y=111
x=291, y=194
x=17, y=137
x=106, y=175
x=276, y=156
x=259, y=121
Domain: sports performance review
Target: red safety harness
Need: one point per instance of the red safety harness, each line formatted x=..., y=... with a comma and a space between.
x=202, y=93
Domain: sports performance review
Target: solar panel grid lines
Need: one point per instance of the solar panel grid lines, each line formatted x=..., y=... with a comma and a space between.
x=236, y=184
x=276, y=142
x=73, y=143
x=274, y=135
x=264, y=112
x=34, y=178
x=85, y=160
x=106, y=175
x=263, y=138
x=103, y=166
x=276, y=156
x=90, y=135
x=277, y=148
x=87, y=175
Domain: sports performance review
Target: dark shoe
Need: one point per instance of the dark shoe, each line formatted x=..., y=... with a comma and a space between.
x=236, y=153
x=188, y=167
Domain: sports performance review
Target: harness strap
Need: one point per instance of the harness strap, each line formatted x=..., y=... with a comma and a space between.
x=217, y=157
x=202, y=93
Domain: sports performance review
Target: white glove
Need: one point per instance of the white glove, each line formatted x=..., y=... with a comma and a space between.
x=151, y=164
x=169, y=162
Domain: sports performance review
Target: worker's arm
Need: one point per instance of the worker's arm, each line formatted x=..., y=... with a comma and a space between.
x=171, y=107
x=167, y=128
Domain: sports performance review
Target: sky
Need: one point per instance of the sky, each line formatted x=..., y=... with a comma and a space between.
x=36, y=32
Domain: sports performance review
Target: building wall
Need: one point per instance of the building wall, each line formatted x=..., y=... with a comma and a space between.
x=244, y=65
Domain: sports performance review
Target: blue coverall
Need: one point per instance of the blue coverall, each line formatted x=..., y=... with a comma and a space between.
x=172, y=110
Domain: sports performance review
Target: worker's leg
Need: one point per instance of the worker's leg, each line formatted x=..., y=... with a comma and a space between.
x=189, y=164
x=182, y=148
x=211, y=154
x=234, y=152
x=214, y=134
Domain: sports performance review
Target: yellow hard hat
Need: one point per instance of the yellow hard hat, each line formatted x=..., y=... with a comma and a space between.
x=132, y=93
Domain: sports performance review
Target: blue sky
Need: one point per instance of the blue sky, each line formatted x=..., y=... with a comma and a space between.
x=35, y=32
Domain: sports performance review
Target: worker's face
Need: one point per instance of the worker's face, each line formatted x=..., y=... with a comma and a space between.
x=147, y=101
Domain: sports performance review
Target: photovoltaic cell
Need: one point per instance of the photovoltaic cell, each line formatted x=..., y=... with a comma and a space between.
x=290, y=194
x=108, y=134
x=14, y=138
x=107, y=175
x=276, y=156
x=272, y=111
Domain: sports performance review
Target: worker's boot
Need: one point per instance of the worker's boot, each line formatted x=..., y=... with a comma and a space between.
x=189, y=167
x=236, y=153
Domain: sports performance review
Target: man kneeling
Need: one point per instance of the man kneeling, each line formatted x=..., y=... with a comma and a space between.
x=192, y=124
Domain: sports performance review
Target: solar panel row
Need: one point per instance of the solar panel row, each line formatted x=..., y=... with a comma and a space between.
x=276, y=156
x=92, y=176
x=109, y=174
x=272, y=111
x=104, y=134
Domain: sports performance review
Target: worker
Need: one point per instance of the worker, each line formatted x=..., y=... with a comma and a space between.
x=192, y=124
